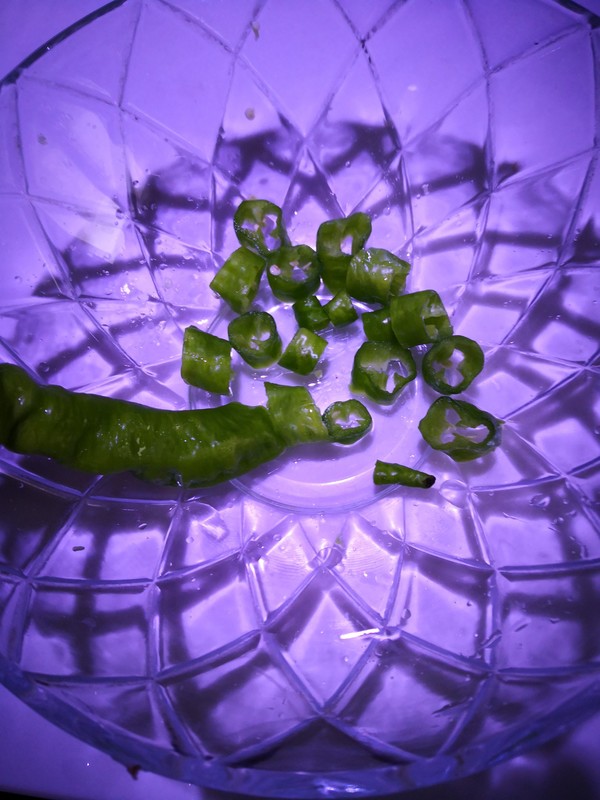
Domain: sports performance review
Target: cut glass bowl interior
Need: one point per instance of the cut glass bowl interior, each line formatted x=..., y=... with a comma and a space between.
x=298, y=632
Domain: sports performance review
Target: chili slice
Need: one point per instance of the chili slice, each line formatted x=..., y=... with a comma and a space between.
x=310, y=313
x=206, y=361
x=255, y=337
x=294, y=414
x=386, y=472
x=446, y=375
x=337, y=241
x=460, y=429
x=375, y=275
x=381, y=370
x=377, y=325
x=419, y=318
x=347, y=421
x=237, y=281
x=294, y=272
x=258, y=226
x=303, y=352
x=340, y=309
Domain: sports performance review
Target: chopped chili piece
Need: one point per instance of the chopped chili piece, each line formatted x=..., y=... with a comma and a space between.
x=310, y=313
x=340, y=309
x=388, y=473
x=448, y=375
x=377, y=325
x=419, y=318
x=376, y=275
x=337, y=241
x=303, y=352
x=294, y=272
x=258, y=226
x=255, y=337
x=206, y=361
x=460, y=429
x=381, y=370
x=347, y=421
x=237, y=281
x=295, y=416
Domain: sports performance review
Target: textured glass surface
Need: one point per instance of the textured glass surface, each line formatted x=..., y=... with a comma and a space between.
x=300, y=632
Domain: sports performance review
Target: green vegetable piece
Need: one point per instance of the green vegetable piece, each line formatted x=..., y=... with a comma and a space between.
x=237, y=281
x=381, y=370
x=294, y=414
x=340, y=309
x=255, y=337
x=376, y=275
x=105, y=435
x=206, y=361
x=294, y=272
x=347, y=421
x=460, y=429
x=419, y=318
x=377, y=325
x=447, y=374
x=303, y=352
x=388, y=473
x=258, y=226
x=310, y=313
x=337, y=241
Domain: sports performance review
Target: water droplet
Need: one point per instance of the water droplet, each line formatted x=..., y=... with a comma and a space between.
x=540, y=501
x=456, y=492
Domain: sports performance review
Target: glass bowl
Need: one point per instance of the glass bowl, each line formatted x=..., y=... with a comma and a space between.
x=299, y=632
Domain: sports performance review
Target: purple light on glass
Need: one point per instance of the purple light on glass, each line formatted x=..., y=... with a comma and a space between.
x=299, y=632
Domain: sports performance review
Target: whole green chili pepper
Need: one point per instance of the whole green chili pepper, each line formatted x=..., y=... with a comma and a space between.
x=255, y=337
x=258, y=225
x=105, y=435
x=419, y=318
x=303, y=352
x=310, y=313
x=340, y=309
x=388, y=473
x=446, y=375
x=337, y=241
x=294, y=414
x=294, y=272
x=376, y=275
x=460, y=429
x=206, y=361
x=380, y=371
x=377, y=325
x=347, y=421
x=238, y=280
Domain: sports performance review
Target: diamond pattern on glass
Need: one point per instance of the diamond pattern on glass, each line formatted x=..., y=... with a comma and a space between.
x=75, y=630
x=530, y=93
x=445, y=603
x=238, y=703
x=81, y=62
x=413, y=92
x=536, y=525
x=548, y=621
x=323, y=625
x=302, y=84
x=424, y=681
x=204, y=611
x=81, y=163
